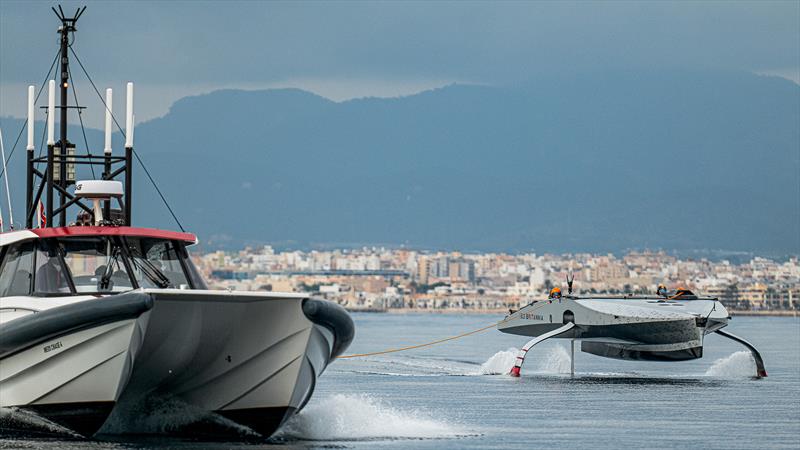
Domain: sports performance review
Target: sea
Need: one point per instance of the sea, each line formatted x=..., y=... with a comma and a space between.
x=457, y=395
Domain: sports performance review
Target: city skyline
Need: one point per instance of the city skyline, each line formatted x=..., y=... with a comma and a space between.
x=382, y=279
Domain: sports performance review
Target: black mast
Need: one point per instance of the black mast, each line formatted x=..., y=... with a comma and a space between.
x=62, y=159
x=67, y=27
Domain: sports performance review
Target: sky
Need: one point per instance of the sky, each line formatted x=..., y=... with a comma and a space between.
x=344, y=50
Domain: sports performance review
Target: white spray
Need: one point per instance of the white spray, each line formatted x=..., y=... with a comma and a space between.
x=361, y=417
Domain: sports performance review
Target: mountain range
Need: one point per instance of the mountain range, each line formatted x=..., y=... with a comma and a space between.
x=585, y=162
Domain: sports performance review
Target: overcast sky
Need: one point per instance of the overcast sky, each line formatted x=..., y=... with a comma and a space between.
x=352, y=49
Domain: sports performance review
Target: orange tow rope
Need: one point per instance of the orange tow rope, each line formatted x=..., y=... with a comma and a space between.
x=428, y=344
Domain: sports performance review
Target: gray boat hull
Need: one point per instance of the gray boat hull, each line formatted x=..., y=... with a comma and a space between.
x=253, y=359
x=651, y=329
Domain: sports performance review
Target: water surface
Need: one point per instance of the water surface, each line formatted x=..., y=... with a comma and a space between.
x=456, y=395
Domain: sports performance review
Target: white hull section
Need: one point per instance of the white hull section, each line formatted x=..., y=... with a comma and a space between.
x=88, y=366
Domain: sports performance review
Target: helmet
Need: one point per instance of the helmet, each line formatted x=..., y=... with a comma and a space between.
x=555, y=292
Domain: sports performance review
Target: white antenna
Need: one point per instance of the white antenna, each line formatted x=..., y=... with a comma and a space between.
x=51, y=112
x=109, y=103
x=8, y=193
x=31, y=117
x=129, y=118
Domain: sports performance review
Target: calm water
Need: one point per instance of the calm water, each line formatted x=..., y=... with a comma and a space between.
x=447, y=397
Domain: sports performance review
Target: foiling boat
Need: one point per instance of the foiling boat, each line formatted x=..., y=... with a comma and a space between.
x=667, y=327
x=99, y=314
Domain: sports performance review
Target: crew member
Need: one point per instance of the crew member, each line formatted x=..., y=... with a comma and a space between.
x=555, y=293
x=662, y=290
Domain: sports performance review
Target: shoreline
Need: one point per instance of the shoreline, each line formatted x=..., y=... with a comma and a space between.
x=776, y=313
x=753, y=313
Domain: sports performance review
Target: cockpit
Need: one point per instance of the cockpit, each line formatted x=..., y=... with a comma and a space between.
x=99, y=265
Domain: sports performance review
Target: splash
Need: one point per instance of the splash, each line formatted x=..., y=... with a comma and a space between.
x=500, y=363
x=14, y=419
x=168, y=416
x=736, y=365
x=555, y=360
x=361, y=417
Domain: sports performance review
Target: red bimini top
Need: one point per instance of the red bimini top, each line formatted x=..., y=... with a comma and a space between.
x=56, y=232
x=114, y=231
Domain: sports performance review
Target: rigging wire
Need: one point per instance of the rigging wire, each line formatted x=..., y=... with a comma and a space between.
x=80, y=117
x=147, y=172
x=8, y=193
x=41, y=149
x=41, y=144
x=102, y=100
x=136, y=154
x=94, y=86
x=22, y=128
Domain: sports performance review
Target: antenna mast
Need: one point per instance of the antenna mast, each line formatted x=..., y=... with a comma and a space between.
x=61, y=160
x=67, y=27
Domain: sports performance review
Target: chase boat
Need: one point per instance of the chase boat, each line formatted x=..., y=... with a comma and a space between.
x=98, y=315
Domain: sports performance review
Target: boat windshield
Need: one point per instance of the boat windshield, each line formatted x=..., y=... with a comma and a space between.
x=156, y=263
x=103, y=265
x=95, y=265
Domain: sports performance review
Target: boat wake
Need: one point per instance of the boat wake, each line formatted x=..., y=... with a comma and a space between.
x=169, y=416
x=18, y=421
x=409, y=366
x=362, y=417
x=550, y=361
x=735, y=365
x=553, y=360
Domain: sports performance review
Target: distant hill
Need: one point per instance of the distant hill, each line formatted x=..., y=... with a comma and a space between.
x=590, y=162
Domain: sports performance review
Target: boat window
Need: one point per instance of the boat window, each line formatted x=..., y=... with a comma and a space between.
x=197, y=280
x=50, y=276
x=16, y=271
x=157, y=262
x=96, y=265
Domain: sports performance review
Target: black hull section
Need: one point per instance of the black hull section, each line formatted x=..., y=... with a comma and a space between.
x=25, y=332
x=264, y=421
x=649, y=333
x=82, y=418
x=333, y=317
x=615, y=351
